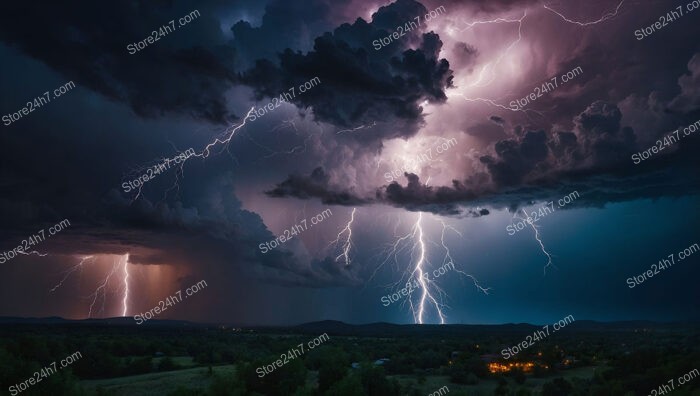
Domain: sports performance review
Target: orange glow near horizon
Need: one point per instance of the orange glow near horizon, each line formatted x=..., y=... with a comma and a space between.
x=504, y=368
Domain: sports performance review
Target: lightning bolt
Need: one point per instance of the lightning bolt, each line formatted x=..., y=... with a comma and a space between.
x=347, y=242
x=297, y=149
x=431, y=295
x=493, y=103
x=357, y=128
x=539, y=240
x=490, y=65
x=418, y=271
x=32, y=252
x=223, y=139
x=76, y=267
x=126, y=285
x=605, y=17
x=487, y=72
x=100, y=292
x=448, y=257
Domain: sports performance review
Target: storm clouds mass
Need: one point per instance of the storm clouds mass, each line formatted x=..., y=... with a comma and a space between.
x=374, y=111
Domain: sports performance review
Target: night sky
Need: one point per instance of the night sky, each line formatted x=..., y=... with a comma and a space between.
x=418, y=148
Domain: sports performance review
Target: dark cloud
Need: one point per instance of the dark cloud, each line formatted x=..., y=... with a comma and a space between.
x=497, y=120
x=186, y=71
x=315, y=186
x=524, y=168
x=285, y=24
x=360, y=84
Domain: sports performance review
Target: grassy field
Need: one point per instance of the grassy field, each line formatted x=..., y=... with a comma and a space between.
x=158, y=383
x=199, y=378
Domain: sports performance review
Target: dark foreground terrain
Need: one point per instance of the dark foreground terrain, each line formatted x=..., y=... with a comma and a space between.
x=116, y=357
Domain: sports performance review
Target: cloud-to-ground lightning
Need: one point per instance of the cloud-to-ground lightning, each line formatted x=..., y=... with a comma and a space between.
x=125, y=300
x=605, y=17
x=418, y=272
x=346, y=243
x=100, y=291
x=431, y=295
x=528, y=220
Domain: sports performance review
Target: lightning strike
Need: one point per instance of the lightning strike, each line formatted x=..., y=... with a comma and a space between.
x=493, y=103
x=605, y=17
x=347, y=243
x=539, y=240
x=223, y=139
x=100, y=292
x=126, y=285
x=487, y=75
x=418, y=269
x=490, y=65
x=431, y=295
x=357, y=128
x=74, y=268
x=448, y=257
x=32, y=252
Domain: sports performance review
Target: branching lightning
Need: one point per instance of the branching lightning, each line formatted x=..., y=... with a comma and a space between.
x=431, y=295
x=487, y=75
x=493, y=103
x=528, y=220
x=490, y=65
x=448, y=256
x=100, y=291
x=605, y=17
x=74, y=268
x=223, y=139
x=346, y=244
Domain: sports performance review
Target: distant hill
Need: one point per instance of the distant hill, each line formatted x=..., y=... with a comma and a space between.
x=381, y=329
